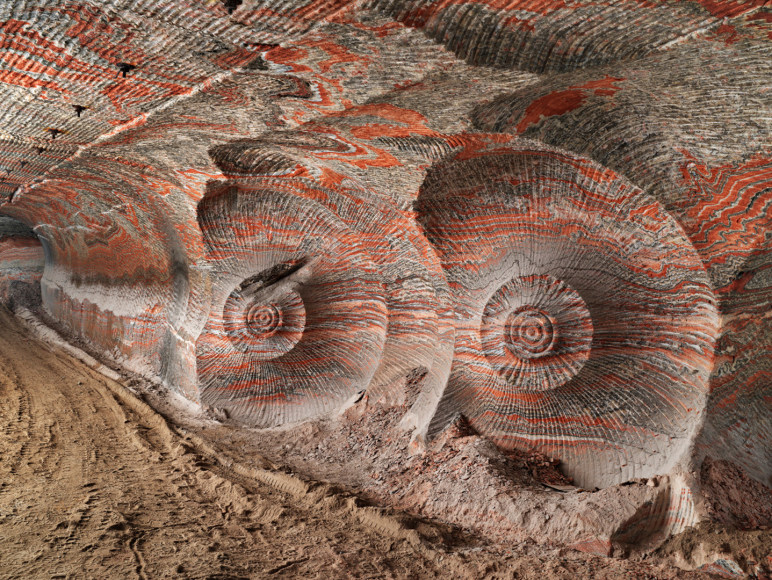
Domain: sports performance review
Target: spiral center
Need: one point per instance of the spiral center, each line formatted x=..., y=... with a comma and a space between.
x=530, y=332
x=263, y=320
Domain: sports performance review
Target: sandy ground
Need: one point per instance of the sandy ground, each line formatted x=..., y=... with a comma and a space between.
x=96, y=484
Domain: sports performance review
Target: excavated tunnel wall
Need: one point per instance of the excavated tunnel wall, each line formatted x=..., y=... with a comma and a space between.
x=22, y=258
x=561, y=215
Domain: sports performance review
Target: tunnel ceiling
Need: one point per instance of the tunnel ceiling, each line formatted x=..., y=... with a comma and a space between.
x=555, y=212
x=74, y=73
x=77, y=72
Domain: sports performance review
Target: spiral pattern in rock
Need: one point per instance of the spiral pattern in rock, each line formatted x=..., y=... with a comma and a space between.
x=585, y=320
x=299, y=318
x=536, y=332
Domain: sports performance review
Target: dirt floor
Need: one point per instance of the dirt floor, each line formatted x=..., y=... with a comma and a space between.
x=94, y=483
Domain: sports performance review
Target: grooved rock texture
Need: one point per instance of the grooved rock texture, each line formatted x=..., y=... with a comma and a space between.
x=21, y=262
x=586, y=321
x=556, y=214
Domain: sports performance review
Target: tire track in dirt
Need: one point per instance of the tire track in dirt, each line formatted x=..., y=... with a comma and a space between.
x=95, y=484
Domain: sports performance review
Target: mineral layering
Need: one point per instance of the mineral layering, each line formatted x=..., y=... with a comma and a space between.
x=559, y=212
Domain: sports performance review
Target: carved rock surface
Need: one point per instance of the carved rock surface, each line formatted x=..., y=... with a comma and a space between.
x=551, y=218
x=586, y=321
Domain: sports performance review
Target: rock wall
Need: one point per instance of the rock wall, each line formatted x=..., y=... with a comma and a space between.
x=22, y=259
x=558, y=213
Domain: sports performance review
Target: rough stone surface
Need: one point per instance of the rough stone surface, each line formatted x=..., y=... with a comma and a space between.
x=549, y=222
x=21, y=264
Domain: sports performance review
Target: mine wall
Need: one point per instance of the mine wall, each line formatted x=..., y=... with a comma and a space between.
x=553, y=220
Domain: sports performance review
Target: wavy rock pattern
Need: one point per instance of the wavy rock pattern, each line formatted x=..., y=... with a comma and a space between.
x=556, y=35
x=539, y=208
x=712, y=169
x=586, y=322
x=350, y=294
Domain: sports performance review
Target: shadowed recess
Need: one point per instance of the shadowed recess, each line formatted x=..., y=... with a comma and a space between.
x=22, y=259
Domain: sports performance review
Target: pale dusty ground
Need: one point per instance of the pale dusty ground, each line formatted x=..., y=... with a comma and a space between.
x=96, y=484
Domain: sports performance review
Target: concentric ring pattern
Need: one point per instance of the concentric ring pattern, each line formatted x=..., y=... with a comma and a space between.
x=536, y=332
x=299, y=319
x=381, y=300
x=264, y=324
x=585, y=320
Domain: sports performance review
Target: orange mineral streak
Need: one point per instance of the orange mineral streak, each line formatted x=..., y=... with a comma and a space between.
x=567, y=100
x=731, y=8
x=728, y=209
